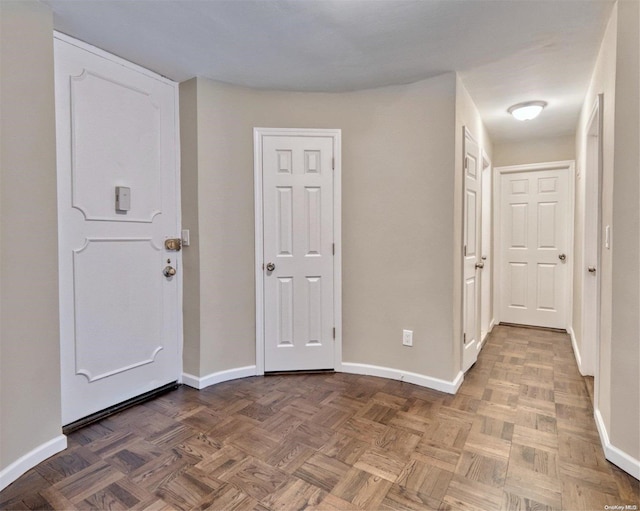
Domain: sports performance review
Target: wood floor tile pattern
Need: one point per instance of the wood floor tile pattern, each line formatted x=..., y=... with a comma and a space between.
x=519, y=435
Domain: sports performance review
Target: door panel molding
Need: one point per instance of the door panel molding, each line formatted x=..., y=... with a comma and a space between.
x=567, y=166
x=312, y=166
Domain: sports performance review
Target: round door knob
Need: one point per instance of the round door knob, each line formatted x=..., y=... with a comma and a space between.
x=591, y=269
x=479, y=265
x=169, y=271
x=562, y=257
x=271, y=266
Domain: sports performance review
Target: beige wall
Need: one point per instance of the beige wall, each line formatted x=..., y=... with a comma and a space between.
x=625, y=331
x=616, y=76
x=191, y=254
x=466, y=115
x=534, y=151
x=29, y=350
x=397, y=195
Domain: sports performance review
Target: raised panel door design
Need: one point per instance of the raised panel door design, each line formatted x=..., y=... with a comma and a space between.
x=546, y=288
x=518, y=218
x=314, y=309
x=119, y=315
x=534, y=232
x=470, y=307
x=298, y=237
x=547, y=224
x=313, y=213
x=471, y=238
x=518, y=290
x=103, y=157
x=285, y=311
x=284, y=221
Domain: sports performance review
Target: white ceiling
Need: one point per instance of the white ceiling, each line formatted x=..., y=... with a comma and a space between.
x=506, y=51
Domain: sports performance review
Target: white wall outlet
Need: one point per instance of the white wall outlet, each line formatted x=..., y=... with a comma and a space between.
x=407, y=337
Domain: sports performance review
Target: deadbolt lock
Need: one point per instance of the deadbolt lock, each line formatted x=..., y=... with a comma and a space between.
x=174, y=244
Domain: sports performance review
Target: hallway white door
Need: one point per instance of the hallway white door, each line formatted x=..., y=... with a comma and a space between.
x=472, y=261
x=298, y=251
x=118, y=199
x=535, y=244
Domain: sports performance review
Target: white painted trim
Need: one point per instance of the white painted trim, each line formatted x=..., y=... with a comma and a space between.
x=10, y=473
x=576, y=351
x=336, y=134
x=450, y=387
x=570, y=167
x=113, y=58
x=219, y=377
x=616, y=456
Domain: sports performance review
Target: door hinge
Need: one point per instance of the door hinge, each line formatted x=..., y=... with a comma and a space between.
x=466, y=163
x=333, y=249
x=333, y=164
x=464, y=338
x=334, y=333
x=465, y=251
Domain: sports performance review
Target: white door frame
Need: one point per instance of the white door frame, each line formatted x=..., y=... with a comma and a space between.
x=498, y=172
x=486, y=279
x=336, y=135
x=592, y=242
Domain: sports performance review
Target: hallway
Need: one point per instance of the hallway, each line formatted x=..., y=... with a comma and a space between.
x=518, y=435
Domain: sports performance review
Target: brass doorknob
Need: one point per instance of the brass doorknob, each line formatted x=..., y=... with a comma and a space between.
x=271, y=266
x=169, y=271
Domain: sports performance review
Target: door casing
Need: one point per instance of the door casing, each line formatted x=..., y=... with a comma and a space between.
x=593, y=238
x=336, y=135
x=498, y=172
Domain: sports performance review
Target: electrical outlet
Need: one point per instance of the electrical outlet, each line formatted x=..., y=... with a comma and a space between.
x=407, y=337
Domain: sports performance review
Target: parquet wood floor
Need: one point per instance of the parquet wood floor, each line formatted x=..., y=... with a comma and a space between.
x=519, y=435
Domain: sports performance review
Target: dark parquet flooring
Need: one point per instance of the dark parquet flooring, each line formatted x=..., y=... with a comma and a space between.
x=519, y=435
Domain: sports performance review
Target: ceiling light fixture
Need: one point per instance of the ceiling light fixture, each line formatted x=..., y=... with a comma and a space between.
x=528, y=110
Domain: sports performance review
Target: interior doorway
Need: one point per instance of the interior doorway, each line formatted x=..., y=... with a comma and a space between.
x=592, y=242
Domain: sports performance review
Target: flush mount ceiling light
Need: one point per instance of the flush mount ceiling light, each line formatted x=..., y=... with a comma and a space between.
x=528, y=110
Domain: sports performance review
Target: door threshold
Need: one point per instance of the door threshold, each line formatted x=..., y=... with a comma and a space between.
x=302, y=371
x=112, y=410
x=534, y=327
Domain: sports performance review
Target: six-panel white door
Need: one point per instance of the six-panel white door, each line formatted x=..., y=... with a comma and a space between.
x=472, y=262
x=119, y=314
x=297, y=188
x=534, y=234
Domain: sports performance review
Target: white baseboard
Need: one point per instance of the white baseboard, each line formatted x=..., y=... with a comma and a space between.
x=450, y=387
x=492, y=323
x=31, y=459
x=576, y=351
x=620, y=458
x=219, y=377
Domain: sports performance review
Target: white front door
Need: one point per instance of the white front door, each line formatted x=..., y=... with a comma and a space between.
x=471, y=252
x=535, y=222
x=298, y=251
x=118, y=199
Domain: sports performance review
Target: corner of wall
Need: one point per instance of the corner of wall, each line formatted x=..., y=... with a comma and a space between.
x=30, y=410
